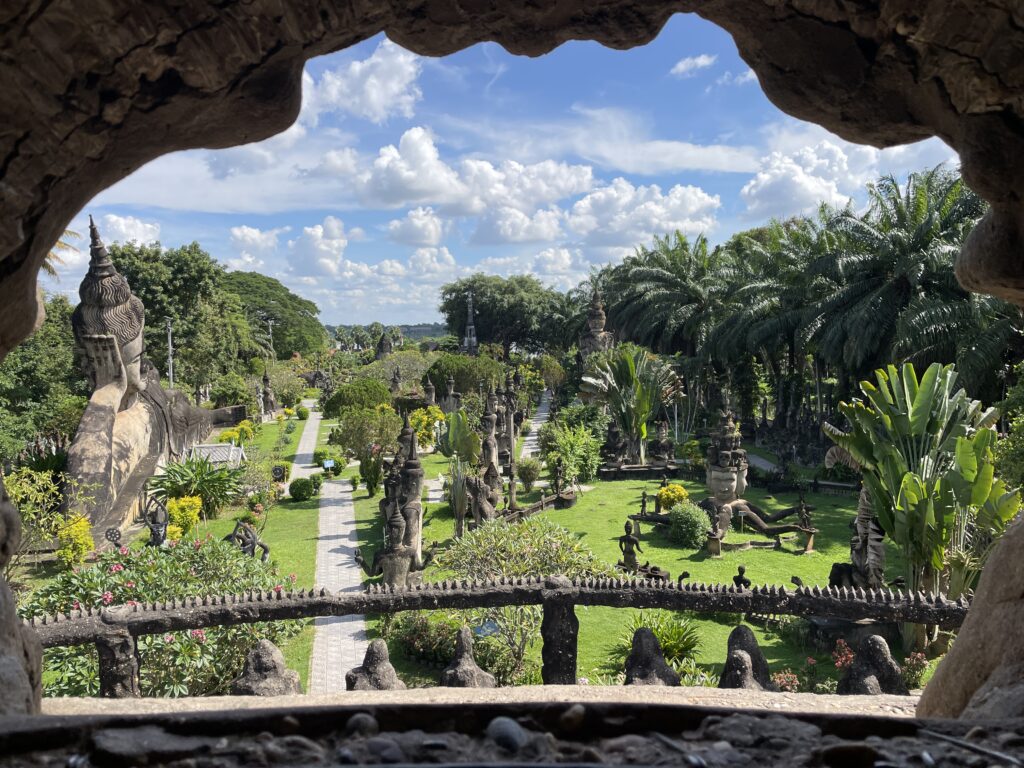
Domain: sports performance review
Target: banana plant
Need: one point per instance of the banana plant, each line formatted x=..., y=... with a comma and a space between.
x=634, y=385
x=459, y=439
x=906, y=434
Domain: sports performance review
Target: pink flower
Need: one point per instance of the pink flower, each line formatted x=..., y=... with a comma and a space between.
x=292, y=577
x=107, y=598
x=197, y=543
x=199, y=635
x=811, y=661
x=132, y=602
x=173, y=543
x=116, y=568
x=278, y=588
x=123, y=550
x=77, y=606
x=129, y=584
x=168, y=638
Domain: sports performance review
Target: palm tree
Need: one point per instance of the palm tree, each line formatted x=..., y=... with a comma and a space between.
x=669, y=297
x=54, y=259
x=901, y=249
x=634, y=385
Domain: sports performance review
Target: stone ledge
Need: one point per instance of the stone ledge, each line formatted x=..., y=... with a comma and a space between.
x=883, y=706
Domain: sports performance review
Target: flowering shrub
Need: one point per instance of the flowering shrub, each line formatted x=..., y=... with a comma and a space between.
x=842, y=655
x=914, y=667
x=786, y=681
x=688, y=524
x=671, y=495
x=189, y=663
x=174, y=533
x=75, y=541
x=184, y=512
x=289, y=412
x=230, y=436
x=423, y=420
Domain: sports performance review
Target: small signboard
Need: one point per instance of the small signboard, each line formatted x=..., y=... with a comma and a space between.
x=328, y=463
x=487, y=629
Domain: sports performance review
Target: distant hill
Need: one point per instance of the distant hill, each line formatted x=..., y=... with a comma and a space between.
x=413, y=332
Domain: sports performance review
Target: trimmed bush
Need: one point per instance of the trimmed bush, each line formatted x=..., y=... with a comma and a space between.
x=302, y=413
x=184, y=512
x=671, y=495
x=528, y=471
x=174, y=533
x=75, y=540
x=317, y=479
x=320, y=455
x=688, y=525
x=301, y=489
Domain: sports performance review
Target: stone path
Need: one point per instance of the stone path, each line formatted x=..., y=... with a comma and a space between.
x=339, y=642
x=302, y=465
x=759, y=462
x=531, y=444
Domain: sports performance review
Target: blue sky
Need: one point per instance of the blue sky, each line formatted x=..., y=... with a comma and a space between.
x=403, y=172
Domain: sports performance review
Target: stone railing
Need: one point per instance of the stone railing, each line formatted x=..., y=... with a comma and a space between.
x=114, y=630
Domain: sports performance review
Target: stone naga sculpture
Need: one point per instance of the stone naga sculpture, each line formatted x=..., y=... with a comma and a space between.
x=130, y=418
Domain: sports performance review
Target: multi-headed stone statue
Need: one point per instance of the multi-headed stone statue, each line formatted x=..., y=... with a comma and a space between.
x=131, y=423
x=595, y=338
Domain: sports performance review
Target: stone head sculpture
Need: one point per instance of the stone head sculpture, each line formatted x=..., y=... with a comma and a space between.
x=108, y=323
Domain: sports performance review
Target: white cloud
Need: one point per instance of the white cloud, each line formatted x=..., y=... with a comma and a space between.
x=421, y=226
x=808, y=165
x=340, y=162
x=319, y=249
x=413, y=172
x=509, y=225
x=621, y=214
x=613, y=139
x=792, y=184
x=374, y=88
x=689, y=66
x=253, y=246
x=743, y=78
x=123, y=229
x=432, y=261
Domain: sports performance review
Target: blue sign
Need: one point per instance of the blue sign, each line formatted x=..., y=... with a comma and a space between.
x=488, y=628
x=328, y=463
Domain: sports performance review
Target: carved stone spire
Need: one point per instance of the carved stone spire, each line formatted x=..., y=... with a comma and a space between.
x=469, y=343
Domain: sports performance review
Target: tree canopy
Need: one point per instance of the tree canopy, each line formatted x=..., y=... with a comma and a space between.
x=295, y=323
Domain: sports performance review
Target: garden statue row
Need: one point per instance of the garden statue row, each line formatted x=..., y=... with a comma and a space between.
x=401, y=560
x=131, y=423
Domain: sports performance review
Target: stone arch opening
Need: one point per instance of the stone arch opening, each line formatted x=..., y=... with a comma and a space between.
x=93, y=91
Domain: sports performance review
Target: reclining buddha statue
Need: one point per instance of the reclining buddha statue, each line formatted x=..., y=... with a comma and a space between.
x=131, y=424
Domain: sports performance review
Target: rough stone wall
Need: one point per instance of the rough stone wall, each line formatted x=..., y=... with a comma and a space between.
x=90, y=91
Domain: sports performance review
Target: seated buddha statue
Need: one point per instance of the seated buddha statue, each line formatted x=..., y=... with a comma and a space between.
x=129, y=418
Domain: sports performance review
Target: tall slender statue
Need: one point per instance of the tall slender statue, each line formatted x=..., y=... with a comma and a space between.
x=131, y=423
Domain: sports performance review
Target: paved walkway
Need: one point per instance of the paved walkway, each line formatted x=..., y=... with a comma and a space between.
x=531, y=443
x=303, y=465
x=340, y=641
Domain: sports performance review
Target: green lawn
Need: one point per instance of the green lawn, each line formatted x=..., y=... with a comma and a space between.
x=599, y=516
x=264, y=442
x=290, y=531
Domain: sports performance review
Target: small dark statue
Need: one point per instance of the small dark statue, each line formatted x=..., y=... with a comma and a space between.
x=740, y=579
x=248, y=541
x=629, y=545
x=156, y=519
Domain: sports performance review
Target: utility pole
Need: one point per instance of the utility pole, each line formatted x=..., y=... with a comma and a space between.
x=170, y=354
